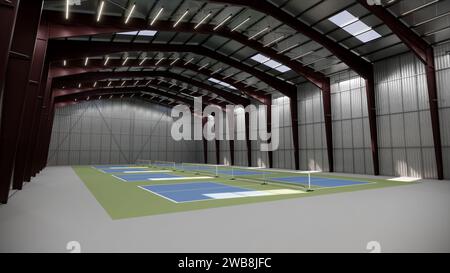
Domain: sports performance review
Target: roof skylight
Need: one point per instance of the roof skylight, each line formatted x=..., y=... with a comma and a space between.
x=222, y=83
x=149, y=33
x=270, y=63
x=354, y=26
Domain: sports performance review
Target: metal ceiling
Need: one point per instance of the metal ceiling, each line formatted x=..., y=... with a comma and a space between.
x=429, y=18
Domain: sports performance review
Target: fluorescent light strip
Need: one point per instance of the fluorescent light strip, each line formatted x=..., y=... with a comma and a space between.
x=217, y=71
x=302, y=55
x=129, y=14
x=419, y=7
x=125, y=61
x=288, y=48
x=109, y=84
x=174, y=61
x=203, y=20
x=123, y=83
x=223, y=22
x=203, y=66
x=67, y=9
x=64, y=63
x=274, y=41
x=143, y=60
x=106, y=61
x=258, y=33
x=181, y=18
x=148, y=82
x=100, y=11
x=160, y=60
x=86, y=61
x=136, y=82
x=79, y=85
x=188, y=62
x=95, y=84
x=156, y=17
x=240, y=24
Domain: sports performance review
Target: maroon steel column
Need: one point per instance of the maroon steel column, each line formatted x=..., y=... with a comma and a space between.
x=326, y=97
x=17, y=74
x=8, y=13
x=205, y=142
x=294, y=124
x=30, y=106
x=42, y=114
x=217, y=151
x=48, y=135
x=232, y=152
x=434, y=111
x=268, y=103
x=247, y=139
x=372, y=111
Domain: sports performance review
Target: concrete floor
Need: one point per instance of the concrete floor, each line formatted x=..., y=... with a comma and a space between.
x=57, y=208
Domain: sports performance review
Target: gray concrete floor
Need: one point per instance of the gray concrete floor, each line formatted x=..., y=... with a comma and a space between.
x=57, y=208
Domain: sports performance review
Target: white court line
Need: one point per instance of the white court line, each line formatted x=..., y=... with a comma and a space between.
x=120, y=178
x=163, y=171
x=124, y=168
x=181, y=178
x=167, y=198
x=405, y=179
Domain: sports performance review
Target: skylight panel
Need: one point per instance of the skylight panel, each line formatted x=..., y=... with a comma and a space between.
x=344, y=18
x=214, y=80
x=354, y=26
x=368, y=36
x=149, y=33
x=270, y=63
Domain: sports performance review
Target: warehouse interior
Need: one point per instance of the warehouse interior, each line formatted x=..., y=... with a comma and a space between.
x=357, y=91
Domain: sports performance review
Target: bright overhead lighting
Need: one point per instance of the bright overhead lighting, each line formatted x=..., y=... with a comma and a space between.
x=241, y=23
x=217, y=71
x=302, y=55
x=156, y=17
x=181, y=18
x=288, y=48
x=203, y=66
x=160, y=60
x=174, y=61
x=67, y=9
x=223, y=22
x=79, y=85
x=106, y=61
x=109, y=84
x=258, y=33
x=95, y=84
x=214, y=80
x=64, y=63
x=351, y=24
x=129, y=14
x=150, y=81
x=136, y=82
x=143, y=60
x=125, y=61
x=86, y=61
x=270, y=63
x=100, y=97
x=274, y=41
x=203, y=20
x=189, y=61
x=123, y=83
x=100, y=10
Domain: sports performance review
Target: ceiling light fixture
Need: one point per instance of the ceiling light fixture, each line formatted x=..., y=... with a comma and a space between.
x=143, y=60
x=106, y=61
x=156, y=17
x=189, y=61
x=174, y=61
x=242, y=23
x=258, y=33
x=274, y=41
x=67, y=9
x=129, y=14
x=125, y=61
x=203, y=20
x=86, y=61
x=100, y=11
x=223, y=22
x=160, y=60
x=181, y=18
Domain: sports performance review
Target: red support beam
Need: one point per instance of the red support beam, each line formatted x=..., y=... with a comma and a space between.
x=14, y=95
x=358, y=64
x=295, y=136
x=67, y=50
x=32, y=91
x=326, y=97
x=8, y=14
x=247, y=139
x=372, y=112
x=268, y=103
x=231, y=142
x=85, y=24
x=88, y=77
x=425, y=53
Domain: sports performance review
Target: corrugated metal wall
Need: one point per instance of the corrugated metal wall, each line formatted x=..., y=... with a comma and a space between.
x=283, y=158
x=403, y=120
x=117, y=131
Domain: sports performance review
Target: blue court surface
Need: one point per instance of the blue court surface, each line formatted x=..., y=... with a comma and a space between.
x=320, y=181
x=144, y=177
x=240, y=172
x=189, y=192
x=122, y=170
